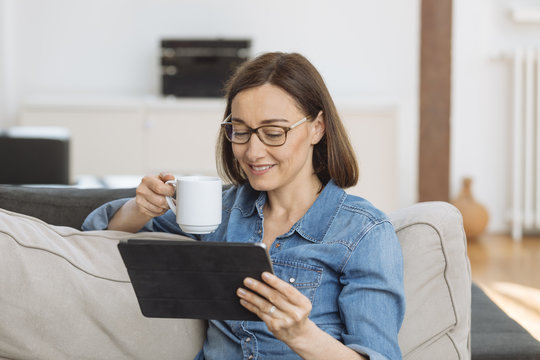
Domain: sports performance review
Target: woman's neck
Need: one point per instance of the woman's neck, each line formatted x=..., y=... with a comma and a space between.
x=291, y=203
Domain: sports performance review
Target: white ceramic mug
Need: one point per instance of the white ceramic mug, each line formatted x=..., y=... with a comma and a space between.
x=198, y=203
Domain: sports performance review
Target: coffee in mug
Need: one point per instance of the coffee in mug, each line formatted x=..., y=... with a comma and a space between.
x=198, y=203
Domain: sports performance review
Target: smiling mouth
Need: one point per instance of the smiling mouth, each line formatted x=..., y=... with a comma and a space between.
x=261, y=168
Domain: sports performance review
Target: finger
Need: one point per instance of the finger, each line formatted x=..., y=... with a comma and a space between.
x=258, y=305
x=286, y=297
x=165, y=176
x=145, y=195
x=274, y=289
x=288, y=291
x=148, y=208
x=156, y=185
x=268, y=296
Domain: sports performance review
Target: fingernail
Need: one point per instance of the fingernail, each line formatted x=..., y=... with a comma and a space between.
x=266, y=275
x=241, y=292
x=248, y=281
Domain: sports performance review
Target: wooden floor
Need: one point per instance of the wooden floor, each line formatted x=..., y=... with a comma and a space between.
x=509, y=273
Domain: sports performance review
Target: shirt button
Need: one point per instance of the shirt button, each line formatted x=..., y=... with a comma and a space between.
x=248, y=339
x=291, y=280
x=278, y=245
x=259, y=232
x=250, y=357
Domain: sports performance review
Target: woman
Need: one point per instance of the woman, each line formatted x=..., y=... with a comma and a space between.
x=337, y=292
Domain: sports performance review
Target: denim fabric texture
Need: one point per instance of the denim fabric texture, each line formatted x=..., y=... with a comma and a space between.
x=343, y=255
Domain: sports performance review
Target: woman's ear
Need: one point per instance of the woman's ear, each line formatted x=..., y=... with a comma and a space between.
x=319, y=128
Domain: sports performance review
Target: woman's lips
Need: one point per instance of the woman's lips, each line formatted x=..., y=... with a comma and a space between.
x=260, y=169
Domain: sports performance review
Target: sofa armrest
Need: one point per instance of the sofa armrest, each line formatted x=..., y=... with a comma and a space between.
x=437, y=282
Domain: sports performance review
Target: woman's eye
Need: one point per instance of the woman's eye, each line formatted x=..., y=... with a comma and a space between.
x=273, y=133
x=240, y=132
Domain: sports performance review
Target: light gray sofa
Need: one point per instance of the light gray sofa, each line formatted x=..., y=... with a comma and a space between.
x=65, y=294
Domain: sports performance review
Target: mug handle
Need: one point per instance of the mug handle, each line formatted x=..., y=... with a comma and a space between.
x=169, y=199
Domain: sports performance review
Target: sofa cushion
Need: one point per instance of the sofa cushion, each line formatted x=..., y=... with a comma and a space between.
x=437, y=282
x=65, y=294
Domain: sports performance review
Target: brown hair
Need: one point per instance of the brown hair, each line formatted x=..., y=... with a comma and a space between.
x=333, y=155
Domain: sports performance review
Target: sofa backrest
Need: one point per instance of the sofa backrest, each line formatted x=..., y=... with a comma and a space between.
x=64, y=206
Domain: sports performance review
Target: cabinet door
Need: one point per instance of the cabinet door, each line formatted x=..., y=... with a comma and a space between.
x=103, y=142
x=182, y=142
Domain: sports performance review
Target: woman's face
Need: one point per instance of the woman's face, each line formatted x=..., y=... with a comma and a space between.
x=273, y=168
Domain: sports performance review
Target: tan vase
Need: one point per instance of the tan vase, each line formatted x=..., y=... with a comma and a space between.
x=475, y=215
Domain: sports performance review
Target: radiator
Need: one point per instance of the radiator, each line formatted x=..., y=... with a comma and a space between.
x=526, y=142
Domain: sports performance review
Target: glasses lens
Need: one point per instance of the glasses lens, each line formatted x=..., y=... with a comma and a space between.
x=272, y=135
x=237, y=133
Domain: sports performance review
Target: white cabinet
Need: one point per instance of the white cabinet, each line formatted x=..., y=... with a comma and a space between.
x=133, y=136
x=147, y=136
x=103, y=141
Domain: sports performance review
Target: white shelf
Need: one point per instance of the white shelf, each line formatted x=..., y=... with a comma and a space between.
x=119, y=103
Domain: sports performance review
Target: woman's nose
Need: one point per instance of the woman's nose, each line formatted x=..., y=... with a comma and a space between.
x=255, y=147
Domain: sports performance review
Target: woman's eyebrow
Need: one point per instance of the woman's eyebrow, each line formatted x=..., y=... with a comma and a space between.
x=263, y=122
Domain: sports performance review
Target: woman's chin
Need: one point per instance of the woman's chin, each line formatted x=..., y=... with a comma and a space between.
x=259, y=185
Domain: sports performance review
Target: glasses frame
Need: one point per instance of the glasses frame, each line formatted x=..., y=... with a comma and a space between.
x=256, y=130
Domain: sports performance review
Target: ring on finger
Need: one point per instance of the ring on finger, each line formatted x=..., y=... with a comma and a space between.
x=272, y=309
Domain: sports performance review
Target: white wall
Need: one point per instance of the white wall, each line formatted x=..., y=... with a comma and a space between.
x=363, y=49
x=481, y=99
x=7, y=91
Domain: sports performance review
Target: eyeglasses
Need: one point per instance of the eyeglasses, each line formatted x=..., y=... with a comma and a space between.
x=271, y=135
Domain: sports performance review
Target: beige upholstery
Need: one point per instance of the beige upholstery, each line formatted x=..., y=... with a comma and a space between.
x=65, y=294
x=437, y=281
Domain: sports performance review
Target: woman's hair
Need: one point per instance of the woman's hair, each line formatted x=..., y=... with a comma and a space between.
x=333, y=155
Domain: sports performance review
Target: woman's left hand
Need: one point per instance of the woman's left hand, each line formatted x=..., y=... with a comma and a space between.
x=283, y=308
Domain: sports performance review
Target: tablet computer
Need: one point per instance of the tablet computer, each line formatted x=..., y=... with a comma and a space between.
x=192, y=279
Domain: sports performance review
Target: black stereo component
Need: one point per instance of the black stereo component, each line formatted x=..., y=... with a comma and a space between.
x=199, y=68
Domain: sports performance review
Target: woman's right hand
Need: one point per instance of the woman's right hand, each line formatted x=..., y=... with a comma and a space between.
x=151, y=193
x=148, y=203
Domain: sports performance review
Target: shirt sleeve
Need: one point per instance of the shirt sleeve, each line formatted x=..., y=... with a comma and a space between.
x=372, y=300
x=100, y=217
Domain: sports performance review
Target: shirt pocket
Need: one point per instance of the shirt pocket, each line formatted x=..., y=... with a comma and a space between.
x=304, y=277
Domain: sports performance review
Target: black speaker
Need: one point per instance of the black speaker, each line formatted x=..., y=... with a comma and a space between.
x=198, y=67
x=33, y=160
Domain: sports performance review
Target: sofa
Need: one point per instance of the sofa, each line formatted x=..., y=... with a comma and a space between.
x=65, y=294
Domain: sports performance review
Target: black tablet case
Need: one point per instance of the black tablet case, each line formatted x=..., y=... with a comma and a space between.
x=192, y=279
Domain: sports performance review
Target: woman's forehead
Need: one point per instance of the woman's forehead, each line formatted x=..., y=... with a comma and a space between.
x=264, y=102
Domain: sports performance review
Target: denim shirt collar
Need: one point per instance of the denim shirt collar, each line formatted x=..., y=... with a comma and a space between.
x=323, y=210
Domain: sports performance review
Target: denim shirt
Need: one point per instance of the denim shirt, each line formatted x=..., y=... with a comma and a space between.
x=343, y=255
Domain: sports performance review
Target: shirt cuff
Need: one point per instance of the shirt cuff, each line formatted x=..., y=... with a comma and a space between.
x=369, y=353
